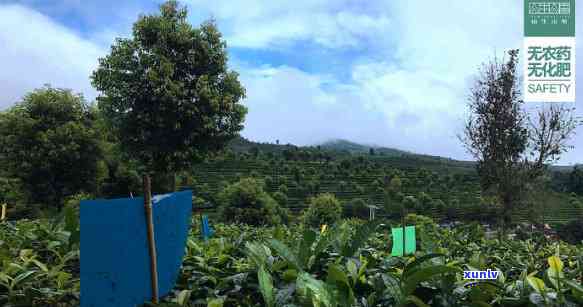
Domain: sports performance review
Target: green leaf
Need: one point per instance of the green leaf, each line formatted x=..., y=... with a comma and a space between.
x=536, y=283
x=314, y=289
x=425, y=274
x=410, y=268
x=417, y=301
x=577, y=288
x=305, y=247
x=21, y=277
x=216, y=302
x=555, y=263
x=284, y=252
x=335, y=274
x=258, y=253
x=183, y=297
x=41, y=265
x=352, y=270
x=266, y=286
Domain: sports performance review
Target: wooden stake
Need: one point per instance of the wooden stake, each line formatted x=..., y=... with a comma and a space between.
x=151, y=239
x=403, y=223
x=3, y=215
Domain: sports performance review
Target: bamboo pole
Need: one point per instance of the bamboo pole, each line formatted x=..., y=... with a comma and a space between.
x=151, y=239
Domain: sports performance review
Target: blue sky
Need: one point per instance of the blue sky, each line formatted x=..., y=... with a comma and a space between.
x=391, y=73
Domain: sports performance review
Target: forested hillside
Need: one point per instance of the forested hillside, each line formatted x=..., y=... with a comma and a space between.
x=434, y=186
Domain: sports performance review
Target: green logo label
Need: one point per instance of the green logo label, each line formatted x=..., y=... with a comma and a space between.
x=549, y=18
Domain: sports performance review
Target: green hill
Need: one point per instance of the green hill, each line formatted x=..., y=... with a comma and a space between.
x=349, y=171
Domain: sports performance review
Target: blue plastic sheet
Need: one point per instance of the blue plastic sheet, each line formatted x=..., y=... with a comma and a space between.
x=207, y=231
x=115, y=262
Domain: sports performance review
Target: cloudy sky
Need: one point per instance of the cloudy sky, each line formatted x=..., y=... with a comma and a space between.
x=390, y=73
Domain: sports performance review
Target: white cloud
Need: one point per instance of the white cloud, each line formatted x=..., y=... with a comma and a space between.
x=406, y=87
x=35, y=50
x=277, y=24
x=415, y=100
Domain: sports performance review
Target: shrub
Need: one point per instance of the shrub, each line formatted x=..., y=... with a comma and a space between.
x=410, y=202
x=356, y=208
x=280, y=198
x=268, y=181
x=571, y=232
x=22, y=211
x=247, y=202
x=283, y=189
x=438, y=204
x=323, y=209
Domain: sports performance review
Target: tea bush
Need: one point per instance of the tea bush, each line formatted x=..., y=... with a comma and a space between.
x=356, y=208
x=247, y=202
x=322, y=209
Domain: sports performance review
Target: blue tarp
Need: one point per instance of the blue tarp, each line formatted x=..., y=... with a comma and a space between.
x=115, y=262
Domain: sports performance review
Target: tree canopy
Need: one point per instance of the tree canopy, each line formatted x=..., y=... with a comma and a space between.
x=49, y=142
x=168, y=92
x=511, y=147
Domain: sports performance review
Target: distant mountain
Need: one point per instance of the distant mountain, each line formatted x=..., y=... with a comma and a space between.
x=342, y=147
x=355, y=148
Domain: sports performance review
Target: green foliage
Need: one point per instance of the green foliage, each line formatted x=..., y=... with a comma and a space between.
x=349, y=264
x=280, y=198
x=122, y=180
x=247, y=202
x=356, y=208
x=283, y=189
x=39, y=264
x=322, y=209
x=575, y=183
x=410, y=202
x=49, y=141
x=512, y=147
x=571, y=232
x=167, y=91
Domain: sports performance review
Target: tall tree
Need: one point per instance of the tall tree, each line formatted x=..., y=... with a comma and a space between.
x=168, y=92
x=49, y=142
x=510, y=146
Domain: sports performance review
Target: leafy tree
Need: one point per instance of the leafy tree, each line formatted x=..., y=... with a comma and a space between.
x=167, y=91
x=322, y=209
x=122, y=180
x=395, y=185
x=511, y=147
x=247, y=202
x=424, y=199
x=49, y=141
x=410, y=202
x=356, y=208
x=576, y=180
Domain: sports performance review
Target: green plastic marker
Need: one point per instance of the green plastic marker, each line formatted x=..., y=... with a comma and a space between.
x=409, y=242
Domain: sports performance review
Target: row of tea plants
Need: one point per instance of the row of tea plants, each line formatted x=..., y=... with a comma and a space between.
x=347, y=264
